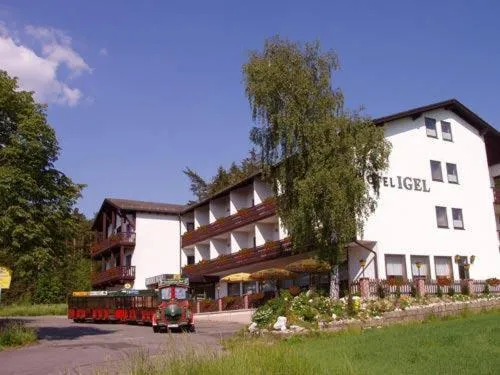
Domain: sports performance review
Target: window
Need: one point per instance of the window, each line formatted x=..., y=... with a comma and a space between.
x=420, y=266
x=249, y=287
x=458, y=219
x=430, y=126
x=443, y=267
x=446, y=131
x=395, y=266
x=128, y=260
x=233, y=289
x=189, y=226
x=437, y=173
x=451, y=171
x=441, y=217
x=190, y=259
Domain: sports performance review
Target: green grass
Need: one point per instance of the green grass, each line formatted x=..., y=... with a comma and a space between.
x=13, y=334
x=33, y=310
x=468, y=344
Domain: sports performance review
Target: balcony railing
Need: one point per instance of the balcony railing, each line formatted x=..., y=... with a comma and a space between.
x=116, y=275
x=270, y=250
x=241, y=218
x=118, y=239
x=496, y=194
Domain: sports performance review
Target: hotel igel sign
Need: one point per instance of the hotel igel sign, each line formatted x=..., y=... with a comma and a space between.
x=5, y=277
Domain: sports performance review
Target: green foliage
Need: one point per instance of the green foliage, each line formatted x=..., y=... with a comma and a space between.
x=33, y=310
x=451, y=290
x=224, y=178
x=486, y=289
x=465, y=289
x=14, y=334
x=37, y=217
x=324, y=162
x=439, y=292
x=381, y=290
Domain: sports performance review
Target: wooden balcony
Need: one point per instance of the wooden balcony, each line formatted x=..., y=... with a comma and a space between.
x=271, y=250
x=115, y=275
x=241, y=218
x=118, y=239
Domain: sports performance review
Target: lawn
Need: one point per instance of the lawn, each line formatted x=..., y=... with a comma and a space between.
x=462, y=345
x=13, y=334
x=33, y=310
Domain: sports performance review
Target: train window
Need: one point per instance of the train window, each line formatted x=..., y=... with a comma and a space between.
x=180, y=293
x=165, y=294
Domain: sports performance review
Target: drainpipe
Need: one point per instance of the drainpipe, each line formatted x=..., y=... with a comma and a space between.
x=180, y=246
x=371, y=251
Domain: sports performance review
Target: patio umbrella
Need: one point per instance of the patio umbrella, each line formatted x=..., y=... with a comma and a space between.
x=310, y=266
x=237, y=277
x=273, y=274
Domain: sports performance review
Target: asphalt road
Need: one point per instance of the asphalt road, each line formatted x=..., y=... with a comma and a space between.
x=81, y=348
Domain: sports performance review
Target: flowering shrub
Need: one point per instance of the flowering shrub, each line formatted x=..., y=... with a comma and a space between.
x=443, y=281
x=493, y=281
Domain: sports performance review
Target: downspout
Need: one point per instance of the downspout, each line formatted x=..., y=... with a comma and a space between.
x=374, y=254
x=180, y=246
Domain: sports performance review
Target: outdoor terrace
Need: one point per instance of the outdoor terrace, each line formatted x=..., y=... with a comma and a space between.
x=270, y=250
x=119, y=239
x=226, y=224
x=115, y=275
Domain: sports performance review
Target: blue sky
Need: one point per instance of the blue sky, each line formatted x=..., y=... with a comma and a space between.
x=139, y=90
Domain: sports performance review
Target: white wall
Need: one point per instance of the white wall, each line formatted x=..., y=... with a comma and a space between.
x=355, y=270
x=219, y=208
x=201, y=216
x=201, y=252
x=265, y=232
x=261, y=191
x=241, y=240
x=240, y=198
x=157, y=247
x=219, y=247
x=405, y=220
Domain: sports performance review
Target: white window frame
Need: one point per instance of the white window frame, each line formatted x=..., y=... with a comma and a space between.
x=454, y=177
x=447, y=136
x=436, y=162
x=446, y=217
x=457, y=223
x=431, y=132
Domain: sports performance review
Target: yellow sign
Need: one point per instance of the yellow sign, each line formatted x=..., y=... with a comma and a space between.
x=80, y=294
x=5, y=277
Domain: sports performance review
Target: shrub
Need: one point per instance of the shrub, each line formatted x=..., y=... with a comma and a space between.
x=493, y=281
x=294, y=290
x=451, y=291
x=414, y=291
x=398, y=291
x=351, y=310
x=486, y=289
x=439, y=292
x=465, y=289
x=381, y=290
x=16, y=334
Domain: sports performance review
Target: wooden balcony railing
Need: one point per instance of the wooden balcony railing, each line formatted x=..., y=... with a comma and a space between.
x=268, y=251
x=242, y=217
x=103, y=244
x=116, y=275
x=496, y=195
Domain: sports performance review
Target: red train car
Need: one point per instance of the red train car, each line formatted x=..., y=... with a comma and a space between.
x=128, y=306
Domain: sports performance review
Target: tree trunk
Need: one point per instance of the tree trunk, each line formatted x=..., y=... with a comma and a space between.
x=334, y=282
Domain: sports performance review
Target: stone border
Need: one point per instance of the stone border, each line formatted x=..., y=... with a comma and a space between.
x=418, y=313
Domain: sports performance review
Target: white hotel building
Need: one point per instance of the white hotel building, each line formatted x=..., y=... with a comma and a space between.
x=439, y=206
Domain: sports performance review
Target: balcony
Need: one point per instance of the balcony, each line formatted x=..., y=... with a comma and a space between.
x=118, y=239
x=115, y=275
x=241, y=218
x=496, y=194
x=268, y=251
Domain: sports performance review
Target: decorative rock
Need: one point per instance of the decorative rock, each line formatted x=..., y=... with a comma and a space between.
x=252, y=327
x=334, y=316
x=280, y=324
x=295, y=328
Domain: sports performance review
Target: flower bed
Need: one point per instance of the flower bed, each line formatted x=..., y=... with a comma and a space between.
x=312, y=311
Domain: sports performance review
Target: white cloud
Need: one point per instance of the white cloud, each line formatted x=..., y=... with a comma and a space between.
x=40, y=72
x=103, y=52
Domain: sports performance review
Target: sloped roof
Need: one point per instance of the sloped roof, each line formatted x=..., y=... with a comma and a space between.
x=491, y=135
x=142, y=206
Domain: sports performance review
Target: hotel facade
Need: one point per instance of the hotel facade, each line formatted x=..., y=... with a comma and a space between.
x=438, y=215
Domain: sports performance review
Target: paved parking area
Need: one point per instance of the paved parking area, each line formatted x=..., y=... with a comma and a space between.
x=80, y=348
